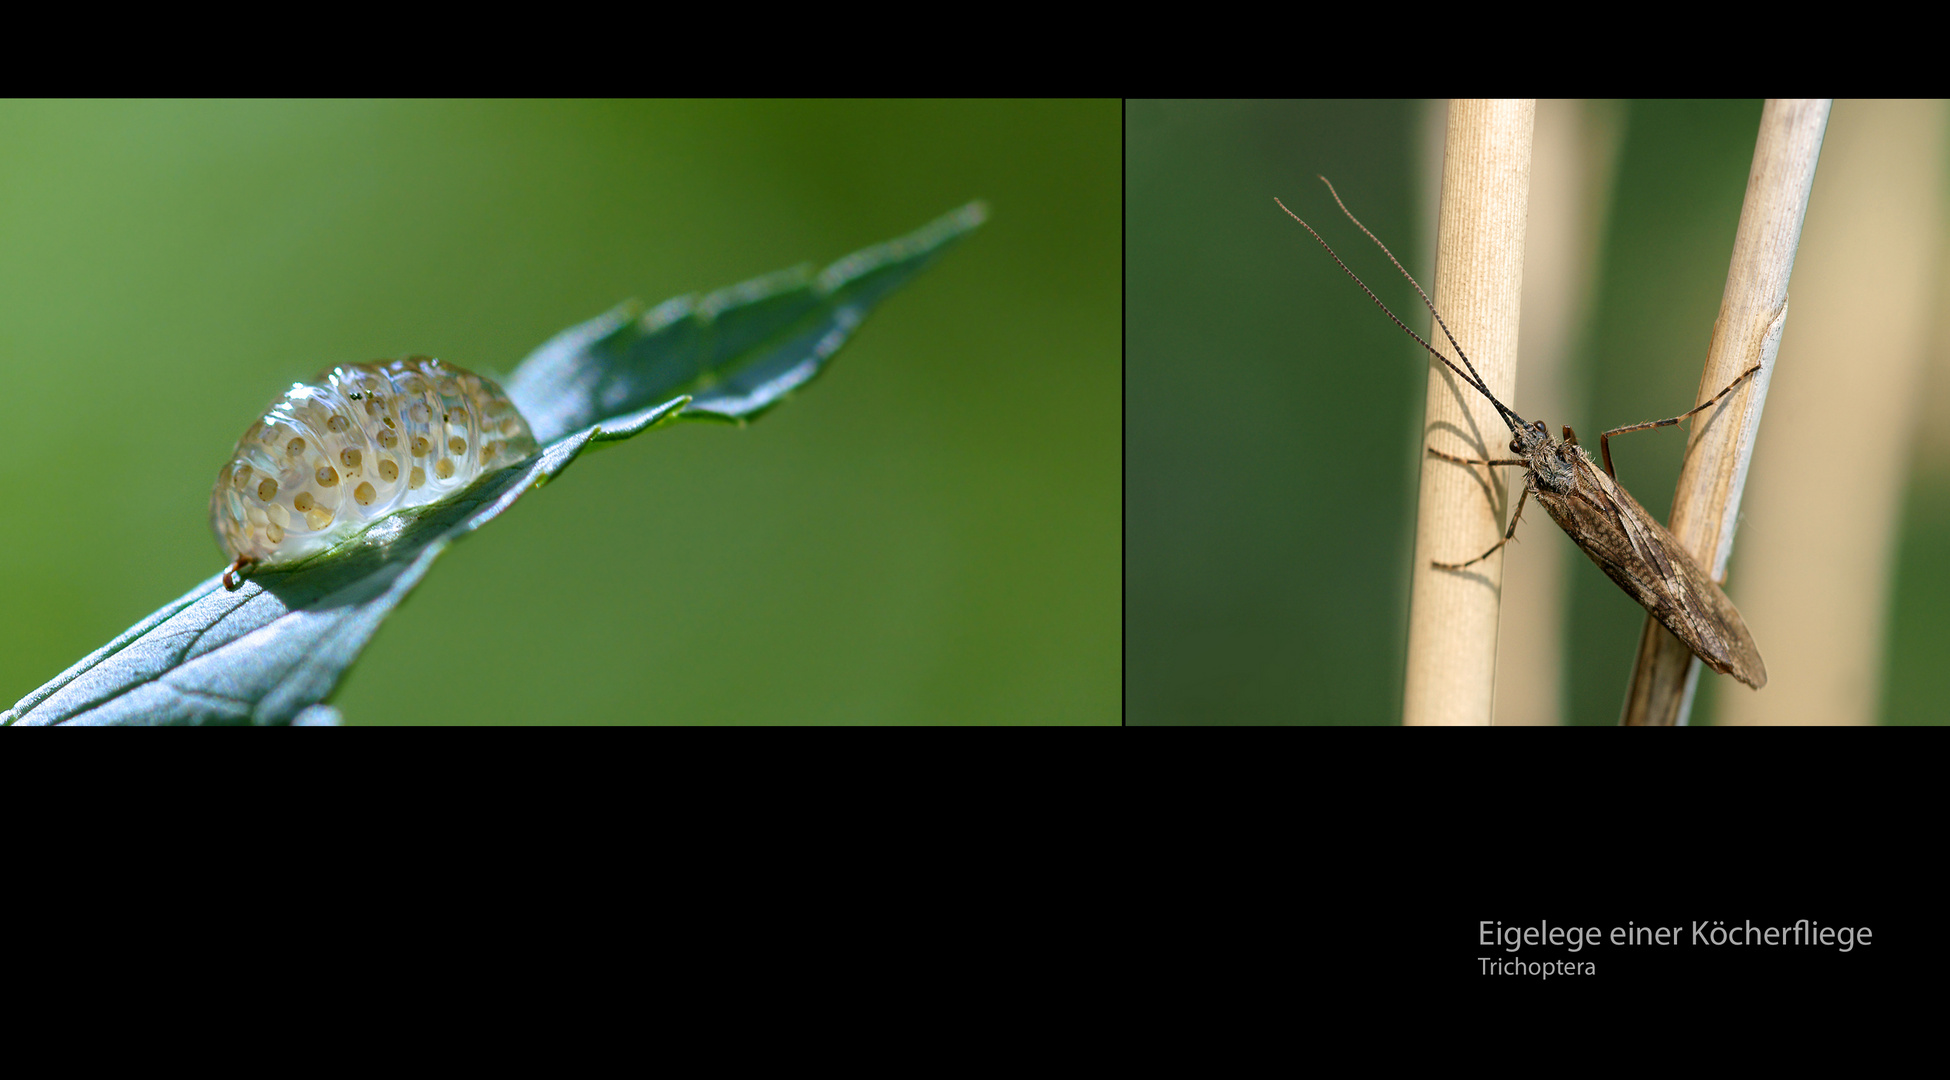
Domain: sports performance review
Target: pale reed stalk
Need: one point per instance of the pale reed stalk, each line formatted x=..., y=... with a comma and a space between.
x=1478, y=288
x=1753, y=313
x=1576, y=152
x=1818, y=532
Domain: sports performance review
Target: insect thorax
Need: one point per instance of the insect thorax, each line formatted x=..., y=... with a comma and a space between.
x=1555, y=466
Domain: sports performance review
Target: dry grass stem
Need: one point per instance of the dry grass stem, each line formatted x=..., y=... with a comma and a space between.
x=1753, y=314
x=1478, y=288
x=1819, y=528
x=1576, y=150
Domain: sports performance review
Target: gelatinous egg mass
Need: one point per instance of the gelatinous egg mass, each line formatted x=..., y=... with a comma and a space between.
x=357, y=443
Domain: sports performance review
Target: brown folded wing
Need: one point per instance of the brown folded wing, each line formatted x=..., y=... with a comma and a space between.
x=1639, y=554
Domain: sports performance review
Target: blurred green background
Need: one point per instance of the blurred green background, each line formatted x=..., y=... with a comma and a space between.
x=1273, y=414
x=930, y=533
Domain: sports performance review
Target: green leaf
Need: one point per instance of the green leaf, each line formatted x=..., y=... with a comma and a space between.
x=274, y=650
x=737, y=351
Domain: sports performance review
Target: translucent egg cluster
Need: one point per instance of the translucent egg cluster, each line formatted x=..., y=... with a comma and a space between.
x=356, y=443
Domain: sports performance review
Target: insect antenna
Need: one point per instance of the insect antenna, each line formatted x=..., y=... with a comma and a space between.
x=1509, y=416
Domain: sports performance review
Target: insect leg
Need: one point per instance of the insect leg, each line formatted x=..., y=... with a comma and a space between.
x=1604, y=441
x=1514, y=518
x=1476, y=461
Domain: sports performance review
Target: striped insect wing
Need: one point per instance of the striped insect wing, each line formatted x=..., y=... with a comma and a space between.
x=1653, y=568
x=358, y=442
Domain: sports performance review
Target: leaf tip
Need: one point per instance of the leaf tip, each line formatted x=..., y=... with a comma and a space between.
x=318, y=715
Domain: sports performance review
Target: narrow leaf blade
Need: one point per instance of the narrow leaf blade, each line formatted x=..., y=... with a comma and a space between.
x=737, y=351
x=275, y=649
